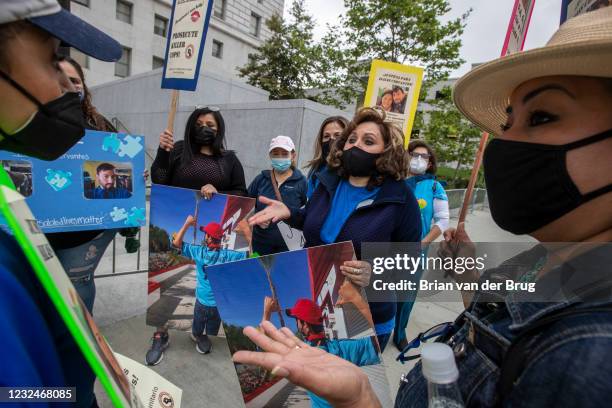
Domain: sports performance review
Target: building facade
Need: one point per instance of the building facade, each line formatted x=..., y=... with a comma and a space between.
x=236, y=28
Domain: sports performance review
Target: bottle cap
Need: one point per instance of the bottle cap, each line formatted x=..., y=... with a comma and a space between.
x=439, y=363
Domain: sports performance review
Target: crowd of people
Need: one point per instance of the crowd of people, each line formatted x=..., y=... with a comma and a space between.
x=548, y=174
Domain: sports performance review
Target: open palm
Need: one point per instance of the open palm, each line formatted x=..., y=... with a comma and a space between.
x=340, y=382
x=275, y=211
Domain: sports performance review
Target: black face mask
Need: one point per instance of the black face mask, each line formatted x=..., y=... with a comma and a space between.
x=359, y=163
x=52, y=131
x=528, y=184
x=325, y=149
x=204, y=136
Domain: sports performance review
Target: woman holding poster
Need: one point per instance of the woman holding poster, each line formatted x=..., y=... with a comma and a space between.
x=548, y=174
x=361, y=197
x=199, y=162
x=81, y=252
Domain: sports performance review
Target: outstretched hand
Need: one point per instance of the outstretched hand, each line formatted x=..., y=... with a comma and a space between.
x=275, y=211
x=340, y=382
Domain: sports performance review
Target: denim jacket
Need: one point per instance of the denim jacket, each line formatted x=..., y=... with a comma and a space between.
x=568, y=364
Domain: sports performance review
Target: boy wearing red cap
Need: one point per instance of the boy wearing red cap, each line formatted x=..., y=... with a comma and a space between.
x=309, y=319
x=206, y=319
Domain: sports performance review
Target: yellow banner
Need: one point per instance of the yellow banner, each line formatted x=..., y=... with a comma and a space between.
x=395, y=89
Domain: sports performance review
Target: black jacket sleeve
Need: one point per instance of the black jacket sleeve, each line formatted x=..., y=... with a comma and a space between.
x=164, y=164
x=236, y=185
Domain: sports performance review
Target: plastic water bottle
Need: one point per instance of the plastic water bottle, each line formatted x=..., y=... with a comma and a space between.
x=440, y=370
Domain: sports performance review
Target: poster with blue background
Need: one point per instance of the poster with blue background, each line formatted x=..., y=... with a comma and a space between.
x=98, y=184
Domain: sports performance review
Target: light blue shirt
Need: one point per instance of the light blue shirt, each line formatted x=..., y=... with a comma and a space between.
x=426, y=189
x=346, y=199
x=203, y=256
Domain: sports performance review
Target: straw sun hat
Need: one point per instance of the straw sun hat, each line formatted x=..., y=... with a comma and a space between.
x=582, y=46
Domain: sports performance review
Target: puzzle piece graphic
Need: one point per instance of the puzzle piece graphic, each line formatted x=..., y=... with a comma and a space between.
x=58, y=179
x=136, y=218
x=111, y=142
x=130, y=146
x=118, y=214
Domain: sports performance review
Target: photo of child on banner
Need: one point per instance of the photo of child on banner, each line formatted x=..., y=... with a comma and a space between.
x=395, y=89
x=303, y=291
x=187, y=234
x=99, y=182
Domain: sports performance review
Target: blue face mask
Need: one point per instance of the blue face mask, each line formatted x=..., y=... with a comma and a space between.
x=281, y=164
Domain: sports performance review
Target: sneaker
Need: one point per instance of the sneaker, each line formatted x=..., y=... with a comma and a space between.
x=159, y=342
x=203, y=344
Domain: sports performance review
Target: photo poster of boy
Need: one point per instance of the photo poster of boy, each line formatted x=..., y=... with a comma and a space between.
x=394, y=88
x=304, y=291
x=99, y=183
x=188, y=234
x=59, y=288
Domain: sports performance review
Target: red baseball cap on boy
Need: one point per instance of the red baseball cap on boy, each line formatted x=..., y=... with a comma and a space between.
x=306, y=310
x=213, y=229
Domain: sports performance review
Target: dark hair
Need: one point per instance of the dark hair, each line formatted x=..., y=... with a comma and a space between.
x=93, y=118
x=433, y=162
x=392, y=161
x=398, y=88
x=318, y=160
x=104, y=167
x=316, y=328
x=190, y=148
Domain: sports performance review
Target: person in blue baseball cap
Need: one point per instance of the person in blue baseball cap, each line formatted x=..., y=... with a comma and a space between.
x=40, y=112
x=40, y=116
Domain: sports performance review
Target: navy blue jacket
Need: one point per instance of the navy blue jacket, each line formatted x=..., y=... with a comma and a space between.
x=293, y=192
x=393, y=216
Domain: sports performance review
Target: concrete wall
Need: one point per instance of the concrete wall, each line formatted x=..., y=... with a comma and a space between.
x=251, y=119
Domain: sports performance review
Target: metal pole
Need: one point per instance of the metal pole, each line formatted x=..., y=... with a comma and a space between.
x=138, y=254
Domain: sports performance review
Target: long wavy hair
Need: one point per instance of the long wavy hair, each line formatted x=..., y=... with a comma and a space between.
x=190, y=147
x=93, y=118
x=393, y=159
x=318, y=160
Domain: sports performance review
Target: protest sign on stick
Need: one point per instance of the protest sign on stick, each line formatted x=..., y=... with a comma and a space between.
x=514, y=42
x=395, y=89
x=184, y=48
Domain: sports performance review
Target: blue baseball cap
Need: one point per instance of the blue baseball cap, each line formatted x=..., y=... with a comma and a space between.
x=61, y=24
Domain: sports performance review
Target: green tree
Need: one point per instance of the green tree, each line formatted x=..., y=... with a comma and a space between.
x=452, y=137
x=284, y=64
x=404, y=31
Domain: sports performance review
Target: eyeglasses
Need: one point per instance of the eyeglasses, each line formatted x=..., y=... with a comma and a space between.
x=210, y=108
x=436, y=331
x=425, y=156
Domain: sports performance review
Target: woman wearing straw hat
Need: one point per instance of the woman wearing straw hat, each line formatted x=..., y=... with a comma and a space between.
x=548, y=174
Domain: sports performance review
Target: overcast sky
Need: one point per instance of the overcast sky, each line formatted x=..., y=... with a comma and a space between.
x=486, y=26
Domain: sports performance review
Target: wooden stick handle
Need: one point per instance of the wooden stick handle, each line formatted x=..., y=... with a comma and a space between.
x=172, y=112
x=473, y=177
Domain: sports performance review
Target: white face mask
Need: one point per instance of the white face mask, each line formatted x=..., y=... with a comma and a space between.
x=418, y=165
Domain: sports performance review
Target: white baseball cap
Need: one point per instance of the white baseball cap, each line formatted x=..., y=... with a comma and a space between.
x=284, y=142
x=71, y=30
